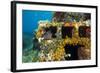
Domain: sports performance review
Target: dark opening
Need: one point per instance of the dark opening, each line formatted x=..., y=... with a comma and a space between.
x=73, y=51
x=84, y=31
x=66, y=31
x=53, y=30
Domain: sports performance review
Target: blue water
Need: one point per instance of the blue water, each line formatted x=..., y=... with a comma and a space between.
x=30, y=19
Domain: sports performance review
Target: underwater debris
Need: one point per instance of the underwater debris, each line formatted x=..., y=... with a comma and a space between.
x=66, y=37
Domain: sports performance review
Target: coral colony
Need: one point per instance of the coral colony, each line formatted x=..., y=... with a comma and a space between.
x=66, y=37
